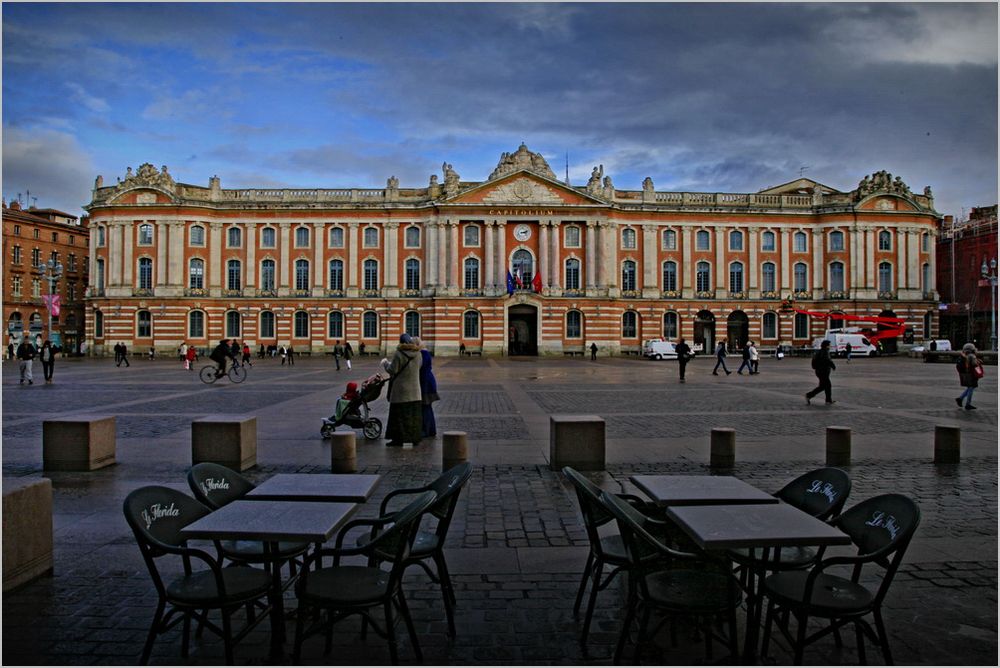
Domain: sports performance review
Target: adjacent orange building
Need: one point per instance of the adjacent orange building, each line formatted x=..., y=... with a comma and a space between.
x=174, y=262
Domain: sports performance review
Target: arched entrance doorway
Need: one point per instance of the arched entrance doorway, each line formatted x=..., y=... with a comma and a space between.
x=522, y=330
x=888, y=345
x=737, y=330
x=704, y=331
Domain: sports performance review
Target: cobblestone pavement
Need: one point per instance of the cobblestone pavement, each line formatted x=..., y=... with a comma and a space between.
x=517, y=544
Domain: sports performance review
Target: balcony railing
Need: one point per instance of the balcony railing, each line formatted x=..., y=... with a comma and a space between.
x=671, y=294
x=267, y=292
x=802, y=294
x=371, y=293
x=882, y=294
x=196, y=292
x=704, y=294
x=835, y=294
x=334, y=293
x=631, y=294
x=770, y=294
x=142, y=292
x=232, y=293
x=738, y=295
x=302, y=293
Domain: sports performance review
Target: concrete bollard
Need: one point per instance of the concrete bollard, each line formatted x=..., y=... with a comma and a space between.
x=455, y=449
x=343, y=452
x=838, y=446
x=723, y=453
x=27, y=530
x=80, y=443
x=577, y=441
x=947, y=444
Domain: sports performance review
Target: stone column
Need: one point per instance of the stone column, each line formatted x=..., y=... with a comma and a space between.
x=555, y=268
x=119, y=255
x=352, y=260
x=317, y=242
x=251, y=271
x=871, y=276
x=753, y=270
x=650, y=286
x=490, y=250
x=161, y=255
x=786, y=262
x=391, y=257
x=932, y=244
x=455, y=270
x=175, y=257
x=283, y=281
x=721, y=284
x=688, y=267
x=857, y=257
x=818, y=270
x=543, y=255
x=430, y=254
x=502, y=257
x=442, y=260
x=591, y=270
x=216, y=269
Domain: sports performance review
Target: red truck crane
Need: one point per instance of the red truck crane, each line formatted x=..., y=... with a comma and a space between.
x=886, y=327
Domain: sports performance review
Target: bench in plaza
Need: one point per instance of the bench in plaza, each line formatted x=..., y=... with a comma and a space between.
x=78, y=443
x=573, y=353
x=229, y=440
x=27, y=530
x=577, y=441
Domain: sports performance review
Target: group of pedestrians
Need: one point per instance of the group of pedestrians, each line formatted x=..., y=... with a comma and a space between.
x=26, y=354
x=412, y=393
x=345, y=352
x=121, y=354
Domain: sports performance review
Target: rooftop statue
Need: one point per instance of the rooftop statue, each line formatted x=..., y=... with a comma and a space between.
x=881, y=182
x=522, y=159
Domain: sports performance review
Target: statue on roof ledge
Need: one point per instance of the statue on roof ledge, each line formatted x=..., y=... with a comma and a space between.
x=522, y=159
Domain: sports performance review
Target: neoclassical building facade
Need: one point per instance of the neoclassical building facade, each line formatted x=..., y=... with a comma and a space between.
x=521, y=262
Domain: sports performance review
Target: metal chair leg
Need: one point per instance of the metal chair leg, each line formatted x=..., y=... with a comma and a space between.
x=186, y=635
x=583, y=583
x=227, y=636
x=153, y=631
x=596, y=571
x=883, y=637
x=447, y=591
x=404, y=610
x=630, y=606
x=390, y=633
x=800, y=640
x=299, y=631
x=859, y=633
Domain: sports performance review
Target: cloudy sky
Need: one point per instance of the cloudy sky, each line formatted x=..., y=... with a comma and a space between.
x=700, y=97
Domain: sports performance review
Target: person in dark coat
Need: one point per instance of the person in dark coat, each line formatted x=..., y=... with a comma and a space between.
x=593, y=352
x=428, y=391
x=219, y=355
x=338, y=352
x=967, y=375
x=822, y=365
x=720, y=359
x=683, y=351
x=48, y=357
x=348, y=354
x=405, y=421
x=25, y=357
x=746, y=359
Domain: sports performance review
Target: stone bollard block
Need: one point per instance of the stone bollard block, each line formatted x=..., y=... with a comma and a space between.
x=838, y=446
x=229, y=440
x=723, y=448
x=27, y=530
x=78, y=443
x=455, y=449
x=343, y=452
x=947, y=444
x=577, y=441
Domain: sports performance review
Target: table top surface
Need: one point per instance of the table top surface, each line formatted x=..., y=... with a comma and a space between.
x=687, y=490
x=307, y=521
x=724, y=527
x=357, y=488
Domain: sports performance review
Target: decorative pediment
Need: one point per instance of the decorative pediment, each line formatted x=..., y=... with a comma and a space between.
x=149, y=176
x=881, y=182
x=523, y=188
x=522, y=160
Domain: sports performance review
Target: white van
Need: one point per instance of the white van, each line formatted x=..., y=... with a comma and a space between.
x=658, y=349
x=860, y=345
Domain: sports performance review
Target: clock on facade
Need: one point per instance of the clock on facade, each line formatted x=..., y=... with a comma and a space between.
x=522, y=232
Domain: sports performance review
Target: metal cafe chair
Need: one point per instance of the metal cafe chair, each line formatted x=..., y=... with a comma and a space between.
x=156, y=516
x=429, y=545
x=343, y=590
x=682, y=585
x=881, y=528
x=216, y=486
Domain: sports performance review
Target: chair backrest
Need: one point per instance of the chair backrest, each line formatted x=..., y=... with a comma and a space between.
x=595, y=513
x=640, y=545
x=881, y=527
x=399, y=537
x=821, y=493
x=216, y=485
x=448, y=486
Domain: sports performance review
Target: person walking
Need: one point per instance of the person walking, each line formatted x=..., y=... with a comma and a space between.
x=348, y=354
x=10, y=350
x=183, y=352
x=405, y=421
x=122, y=355
x=847, y=352
x=683, y=351
x=746, y=359
x=190, y=357
x=48, y=357
x=754, y=359
x=338, y=352
x=970, y=370
x=720, y=356
x=822, y=365
x=26, y=355
x=291, y=355
x=283, y=354
x=246, y=354
x=428, y=391
x=593, y=352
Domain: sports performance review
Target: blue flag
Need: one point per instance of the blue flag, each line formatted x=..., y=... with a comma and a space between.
x=510, y=283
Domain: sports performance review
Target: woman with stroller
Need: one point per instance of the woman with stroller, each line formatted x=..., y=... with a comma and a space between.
x=405, y=406
x=428, y=391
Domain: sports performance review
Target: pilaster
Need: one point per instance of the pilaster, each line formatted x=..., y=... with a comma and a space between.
x=161, y=256
x=650, y=286
x=352, y=260
x=786, y=262
x=687, y=269
x=555, y=266
x=317, y=261
x=391, y=256
x=489, y=247
x=251, y=270
x=753, y=283
x=591, y=252
x=543, y=254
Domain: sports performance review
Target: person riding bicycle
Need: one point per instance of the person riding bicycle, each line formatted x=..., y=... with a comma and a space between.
x=219, y=355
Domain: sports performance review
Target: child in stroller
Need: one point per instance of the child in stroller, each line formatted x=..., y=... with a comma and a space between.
x=352, y=409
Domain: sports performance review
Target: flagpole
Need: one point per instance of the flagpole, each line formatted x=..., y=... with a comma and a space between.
x=51, y=271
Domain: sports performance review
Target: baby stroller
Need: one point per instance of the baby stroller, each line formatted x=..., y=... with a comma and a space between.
x=355, y=412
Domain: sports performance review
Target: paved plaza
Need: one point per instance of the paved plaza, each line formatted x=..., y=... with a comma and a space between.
x=517, y=546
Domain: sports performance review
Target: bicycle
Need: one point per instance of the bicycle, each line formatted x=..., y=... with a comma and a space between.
x=209, y=374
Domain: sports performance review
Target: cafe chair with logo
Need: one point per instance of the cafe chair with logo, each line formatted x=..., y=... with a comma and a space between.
x=691, y=586
x=605, y=550
x=216, y=486
x=343, y=590
x=881, y=529
x=429, y=545
x=156, y=516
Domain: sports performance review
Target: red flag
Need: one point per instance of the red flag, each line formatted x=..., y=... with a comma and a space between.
x=536, y=283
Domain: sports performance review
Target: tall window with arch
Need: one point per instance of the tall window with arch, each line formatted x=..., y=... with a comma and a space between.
x=234, y=237
x=884, y=241
x=522, y=266
x=837, y=276
x=336, y=277
x=196, y=274
x=630, y=325
x=101, y=236
x=145, y=234
x=571, y=236
x=370, y=268
x=768, y=282
x=471, y=235
x=196, y=325
x=800, y=277
x=302, y=237
x=926, y=279
x=735, y=240
x=268, y=238
x=267, y=324
x=411, y=323
x=411, y=237
x=799, y=242
x=836, y=240
x=574, y=325
x=670, y=325
x=234, y=275
x=98, y=325
x=143, y=324
x=628, y=275
x=669, y=276
x=628, y=239
x=736, y=277
x=925, y=242
x=370, y=238
x=301, y=325
x=767, y=241
x=470, y=325
x=703, y=277
x=801, y=326
x=369, y=325
x=669, y=240
x=471, y=273
x=412, y=274
x=145, y=273
x=233, y=322
x=302, y=274
x=336, y=237
x=335, y=325
x=197, y=235
x=100, y=275
x=572, y=274
x=702, y=240
x=267, y=275
x=769, y=325
x=884, y=277
x=928, y=325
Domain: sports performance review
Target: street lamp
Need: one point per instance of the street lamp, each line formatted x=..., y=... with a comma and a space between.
x=989, y=273
x=52, y=272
